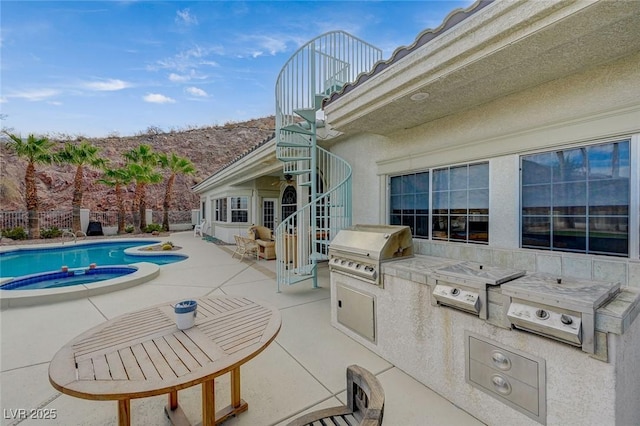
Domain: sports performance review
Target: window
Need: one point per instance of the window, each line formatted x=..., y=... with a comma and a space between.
x=460, y=203
x=409, y=202
x=577, y=199
x=239, y=209
x=221, y=209
x=289, y=202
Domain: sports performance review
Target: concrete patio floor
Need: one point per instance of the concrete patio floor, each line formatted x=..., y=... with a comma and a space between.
x=303, y=370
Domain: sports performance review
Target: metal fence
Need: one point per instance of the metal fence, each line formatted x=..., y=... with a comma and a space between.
x=63, y=219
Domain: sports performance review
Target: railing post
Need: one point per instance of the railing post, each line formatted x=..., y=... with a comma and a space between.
x=84, y=220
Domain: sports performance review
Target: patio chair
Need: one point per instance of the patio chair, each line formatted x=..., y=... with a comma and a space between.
x=264, y=237
x=199, y=229
x=244, y=246
x=365, y=403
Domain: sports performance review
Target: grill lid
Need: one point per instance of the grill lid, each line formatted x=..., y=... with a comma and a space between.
x=569, y=293
x=476, y=274
x=376, y=242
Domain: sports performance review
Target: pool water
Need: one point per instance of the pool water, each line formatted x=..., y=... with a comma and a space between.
x=68, y=278
x=26, y=261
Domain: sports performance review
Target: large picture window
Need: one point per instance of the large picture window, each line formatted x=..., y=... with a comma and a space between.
x=239, y=209
x=409, y=203
x=577, y=199
x=461, y=203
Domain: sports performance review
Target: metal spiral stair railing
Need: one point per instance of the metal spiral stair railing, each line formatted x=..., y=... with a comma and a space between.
x=315, y=71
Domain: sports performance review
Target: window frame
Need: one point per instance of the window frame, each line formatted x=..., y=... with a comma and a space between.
x=431, y=191
x=453, y=191
x=220, y=209
x=235, y=212
x=633, y=196
x=402, y=198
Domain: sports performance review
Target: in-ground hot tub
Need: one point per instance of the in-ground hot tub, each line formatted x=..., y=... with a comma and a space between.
x=99, y=281
x=67, y=277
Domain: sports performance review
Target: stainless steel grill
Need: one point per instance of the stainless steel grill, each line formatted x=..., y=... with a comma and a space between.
x=360, y=250
x=464, y=285
x=559, y=308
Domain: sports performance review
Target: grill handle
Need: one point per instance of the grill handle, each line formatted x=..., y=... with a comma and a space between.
x=351, y=250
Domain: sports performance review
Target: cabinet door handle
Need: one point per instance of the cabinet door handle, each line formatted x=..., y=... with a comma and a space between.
x=501, y=384
x=501, y=360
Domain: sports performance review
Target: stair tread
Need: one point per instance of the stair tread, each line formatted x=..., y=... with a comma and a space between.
x=308, y=114
x=295, y=128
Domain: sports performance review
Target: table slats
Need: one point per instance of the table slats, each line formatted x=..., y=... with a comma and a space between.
x=143, y=353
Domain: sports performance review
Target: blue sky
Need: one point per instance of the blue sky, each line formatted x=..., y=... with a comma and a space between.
x=95, y=68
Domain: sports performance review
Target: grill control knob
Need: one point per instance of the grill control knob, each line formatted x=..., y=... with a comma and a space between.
x=455, y=292
x=566, y=319
x=542, y=314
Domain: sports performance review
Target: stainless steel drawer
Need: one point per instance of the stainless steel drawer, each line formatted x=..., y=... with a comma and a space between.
x=516, y=366
x=506, y=386
x=511, y=376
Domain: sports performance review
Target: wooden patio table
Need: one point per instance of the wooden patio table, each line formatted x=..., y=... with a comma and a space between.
x=142, y=354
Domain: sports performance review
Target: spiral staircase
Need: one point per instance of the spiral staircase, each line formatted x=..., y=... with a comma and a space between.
x=318, y=69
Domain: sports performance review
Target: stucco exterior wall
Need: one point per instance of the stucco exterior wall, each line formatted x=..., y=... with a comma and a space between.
x=600, y=104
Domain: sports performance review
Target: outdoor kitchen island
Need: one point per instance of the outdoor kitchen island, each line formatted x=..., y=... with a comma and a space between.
x=580, y=367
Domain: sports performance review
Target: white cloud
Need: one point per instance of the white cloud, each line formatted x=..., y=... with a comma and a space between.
x=109, y=85
x=195, y=91
x=189, y=59
x=157, y=98
x=273, y=45
x=191, y=75
x=35, y=95
x=178, y=78
x=267, y=44
x=185, y=17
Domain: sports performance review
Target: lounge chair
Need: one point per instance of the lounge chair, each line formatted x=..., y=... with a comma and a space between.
x=199, y=229
x=365, y=403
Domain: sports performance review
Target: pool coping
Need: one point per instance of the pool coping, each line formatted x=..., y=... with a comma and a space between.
x=14, y=298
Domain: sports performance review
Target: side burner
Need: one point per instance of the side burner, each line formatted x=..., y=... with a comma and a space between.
x=559, y=308
x=464, y=285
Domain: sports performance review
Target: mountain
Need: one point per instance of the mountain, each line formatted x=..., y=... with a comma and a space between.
x=208, y=148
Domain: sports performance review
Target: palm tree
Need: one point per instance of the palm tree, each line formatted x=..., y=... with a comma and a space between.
x=35, y=151
x=175, y=165
x=143, y=174
x=84, y=154
x=141, y=165
x=117, y=178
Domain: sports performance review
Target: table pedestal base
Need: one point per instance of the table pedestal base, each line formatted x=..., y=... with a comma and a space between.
x=178, y=418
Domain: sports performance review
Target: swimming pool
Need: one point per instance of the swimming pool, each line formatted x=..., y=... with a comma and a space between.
x=27, y=261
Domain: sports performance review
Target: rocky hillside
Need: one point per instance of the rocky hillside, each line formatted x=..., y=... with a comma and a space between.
x=208, y=148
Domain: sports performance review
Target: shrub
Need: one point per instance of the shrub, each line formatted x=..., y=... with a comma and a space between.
x=52, y=232
x=167, y=246
x=153, y=227
x=128, y=229
x=17, y=233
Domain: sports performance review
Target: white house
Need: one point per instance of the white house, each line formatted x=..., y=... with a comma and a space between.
x=510, y=135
